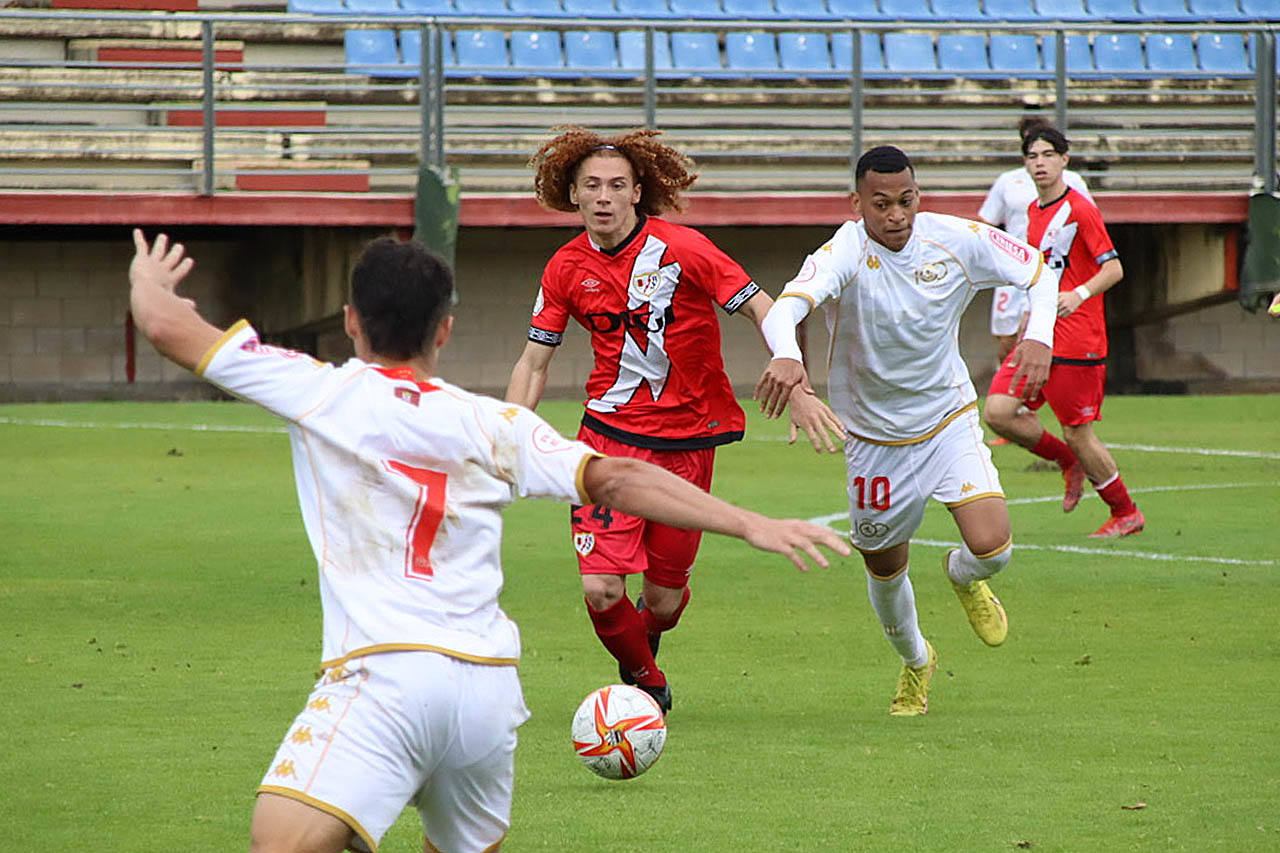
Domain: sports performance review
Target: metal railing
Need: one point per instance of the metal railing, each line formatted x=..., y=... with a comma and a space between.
x=94, y=121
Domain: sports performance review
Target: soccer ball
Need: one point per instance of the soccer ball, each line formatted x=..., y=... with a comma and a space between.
x=618, y=731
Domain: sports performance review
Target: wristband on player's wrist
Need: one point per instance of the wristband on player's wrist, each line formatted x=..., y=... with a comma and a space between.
x=1082, y=292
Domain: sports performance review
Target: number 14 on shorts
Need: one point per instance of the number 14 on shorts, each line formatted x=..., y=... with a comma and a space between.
x=873, y=493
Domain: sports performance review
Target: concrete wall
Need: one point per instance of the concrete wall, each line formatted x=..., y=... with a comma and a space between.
x=63, y=300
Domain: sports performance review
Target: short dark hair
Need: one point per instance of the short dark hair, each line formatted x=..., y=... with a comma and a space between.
x=401, y=292
x=885, y=159
x=1049, y=134
x=1029, y=122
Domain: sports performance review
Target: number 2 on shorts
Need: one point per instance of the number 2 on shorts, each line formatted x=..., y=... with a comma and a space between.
x=427, y=514
x=873, y=492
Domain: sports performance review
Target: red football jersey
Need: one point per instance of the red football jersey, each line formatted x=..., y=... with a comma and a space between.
x=649, y=304
x=1075, y=242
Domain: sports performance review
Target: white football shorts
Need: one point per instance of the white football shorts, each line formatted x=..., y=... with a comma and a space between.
x=388, y=730
x=889, y=484
x=1008, y=304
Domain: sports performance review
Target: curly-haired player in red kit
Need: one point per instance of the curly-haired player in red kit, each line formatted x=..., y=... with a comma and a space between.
x=647, y=291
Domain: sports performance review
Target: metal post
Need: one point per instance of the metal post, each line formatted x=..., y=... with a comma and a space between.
x=650, y=81
x=1060, y=80
x=855, y=105
x=425, y=90
x=209, y=121
x=437, y=82
x=1264, y=158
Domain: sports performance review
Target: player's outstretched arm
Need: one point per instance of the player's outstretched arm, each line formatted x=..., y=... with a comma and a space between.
x=820, y=424
x=786, y=371
x=642, y=489
x=170, y=322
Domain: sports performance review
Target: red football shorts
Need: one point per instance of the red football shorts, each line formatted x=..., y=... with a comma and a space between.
x=610, y=542
x=1074, y=391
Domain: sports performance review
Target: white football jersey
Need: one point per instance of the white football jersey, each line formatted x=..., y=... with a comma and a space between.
x=401, y=486
x=895, y=371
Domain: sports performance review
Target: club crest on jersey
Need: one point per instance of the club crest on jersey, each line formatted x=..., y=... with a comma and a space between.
x=584, y=543
x=1008, y=245
x=936, y=271
x=408, y=395
x=646, y=284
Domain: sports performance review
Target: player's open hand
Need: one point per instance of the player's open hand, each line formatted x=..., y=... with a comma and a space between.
x=796, y=540
x=158, y=265
x=1031, y=360
x=780, y=378
x=810, y=414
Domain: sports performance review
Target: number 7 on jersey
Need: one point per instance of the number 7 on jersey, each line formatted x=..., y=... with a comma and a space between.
x=427, y=514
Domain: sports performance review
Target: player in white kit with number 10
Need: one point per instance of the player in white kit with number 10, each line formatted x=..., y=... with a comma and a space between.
x=894, y=287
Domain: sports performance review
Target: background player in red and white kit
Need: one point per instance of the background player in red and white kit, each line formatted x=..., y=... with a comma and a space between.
x=401, y=478
x=1070, y=232
x=647, y=290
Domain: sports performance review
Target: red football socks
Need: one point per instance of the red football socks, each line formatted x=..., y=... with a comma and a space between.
x=655, y=626
x=1054, y=449
x=622, y=631
x=1116, y=496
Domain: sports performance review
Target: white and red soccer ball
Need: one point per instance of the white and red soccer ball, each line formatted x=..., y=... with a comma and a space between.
x=618, y=731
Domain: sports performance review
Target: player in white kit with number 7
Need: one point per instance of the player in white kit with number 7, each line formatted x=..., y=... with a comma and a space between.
x=894, y=287
x=401, y=478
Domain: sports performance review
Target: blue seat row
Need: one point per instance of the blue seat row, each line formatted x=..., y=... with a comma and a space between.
x=861, y=10
x=597, y=53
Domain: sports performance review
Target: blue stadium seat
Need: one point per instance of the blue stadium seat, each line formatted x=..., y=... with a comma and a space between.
x=909, y=53
x=1224, y=54
x=1113, y=10
x=1163, y=10
x=372, y=52
x=589, y=8
x=481, y=51
x=643, y=9
x=749, y=9
x=479, y=8
x=1171, y=52
x=855, y=10
x=872, y=53
x=750, y=52
x=905, y=10
x=535, y=8
x=593, y=51
x=411, y=49
x=1218, y=10
x=804, y=53
x=373, y=7
x=317, y=7
x=802, y=9
x=696, y=9
x=959, y=10
x=1010, y=10
x=537, y=51
x=1079, y=54
x=1119, y=53
x=631, y=50
x=428, y=7
x=696, y=53
x=963, y=53
x=1016, y=54
x=1062, y=10
x=1259, y=10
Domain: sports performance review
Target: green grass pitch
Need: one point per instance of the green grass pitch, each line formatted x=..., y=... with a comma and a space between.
x=160, y=628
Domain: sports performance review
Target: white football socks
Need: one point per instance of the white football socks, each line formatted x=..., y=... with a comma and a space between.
x=965, y=567
x=894, y=602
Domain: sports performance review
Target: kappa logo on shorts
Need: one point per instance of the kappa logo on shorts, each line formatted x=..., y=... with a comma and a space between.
x=302, y=734
x=967, y=488
x=285, y=770
x=584, y=543
x=320, y=703
x=871, y=529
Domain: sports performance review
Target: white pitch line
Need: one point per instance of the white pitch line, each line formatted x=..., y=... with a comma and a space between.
x=182, y=427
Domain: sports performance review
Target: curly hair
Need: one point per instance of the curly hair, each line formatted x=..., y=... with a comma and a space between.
x=661, y=171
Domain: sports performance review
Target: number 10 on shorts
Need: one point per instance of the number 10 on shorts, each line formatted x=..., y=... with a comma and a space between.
x=873, y=493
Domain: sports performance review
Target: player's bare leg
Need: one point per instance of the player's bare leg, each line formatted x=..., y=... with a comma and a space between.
x=1098, y=463
x=894, y=603
x=1005, y=414
x=984, y=527
x=285, y=825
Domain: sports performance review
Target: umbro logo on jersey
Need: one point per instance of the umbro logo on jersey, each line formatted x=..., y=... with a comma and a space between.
x=591, y=285
x=584, y=543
